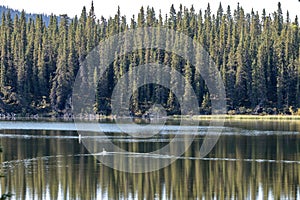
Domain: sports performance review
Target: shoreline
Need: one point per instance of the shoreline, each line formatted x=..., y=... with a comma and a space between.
x=175, y=117
x=249, y=117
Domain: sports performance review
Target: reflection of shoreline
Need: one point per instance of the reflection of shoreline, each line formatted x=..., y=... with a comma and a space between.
x=170, y=126
x=238, y=168
x=12, y=163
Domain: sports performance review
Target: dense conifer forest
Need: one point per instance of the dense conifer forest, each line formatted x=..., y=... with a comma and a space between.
x=257, y=54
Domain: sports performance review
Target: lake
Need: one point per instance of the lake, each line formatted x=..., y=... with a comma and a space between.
x=251, y=160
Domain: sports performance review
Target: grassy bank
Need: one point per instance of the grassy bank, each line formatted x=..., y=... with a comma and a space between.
x=247, y=117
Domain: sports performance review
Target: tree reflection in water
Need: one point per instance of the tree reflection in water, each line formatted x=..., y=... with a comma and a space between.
x=239, y=167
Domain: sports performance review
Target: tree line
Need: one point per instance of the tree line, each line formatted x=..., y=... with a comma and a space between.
x=256, y=53
x=13, y=13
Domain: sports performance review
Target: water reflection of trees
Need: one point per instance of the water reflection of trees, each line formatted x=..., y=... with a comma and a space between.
x=82, y=177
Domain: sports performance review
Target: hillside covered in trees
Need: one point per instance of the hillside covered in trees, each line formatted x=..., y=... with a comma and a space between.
x=13, y=13
x=257, y=54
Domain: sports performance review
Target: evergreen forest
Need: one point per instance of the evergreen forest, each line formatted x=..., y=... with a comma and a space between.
x=256, y=52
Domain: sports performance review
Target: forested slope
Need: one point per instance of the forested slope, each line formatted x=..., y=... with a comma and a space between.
x=13, y=13
x=257, y=54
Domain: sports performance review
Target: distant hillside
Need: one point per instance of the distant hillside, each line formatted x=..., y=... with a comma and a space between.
x=13, y=12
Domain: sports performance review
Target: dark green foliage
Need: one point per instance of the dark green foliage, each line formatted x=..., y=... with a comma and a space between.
x=6, y=196
x=258, y=57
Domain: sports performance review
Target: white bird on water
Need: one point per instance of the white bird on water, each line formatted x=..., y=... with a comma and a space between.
x=79, y=138
x=103, y=151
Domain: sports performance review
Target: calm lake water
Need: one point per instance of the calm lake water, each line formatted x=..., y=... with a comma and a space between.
x=252, y=160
